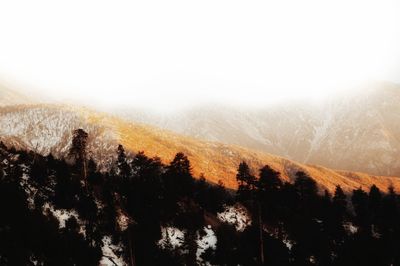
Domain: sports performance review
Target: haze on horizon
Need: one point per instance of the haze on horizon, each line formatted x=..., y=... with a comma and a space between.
x=164, y=54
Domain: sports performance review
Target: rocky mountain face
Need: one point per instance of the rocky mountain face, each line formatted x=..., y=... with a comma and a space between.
x=48, y=128
x=359, y=131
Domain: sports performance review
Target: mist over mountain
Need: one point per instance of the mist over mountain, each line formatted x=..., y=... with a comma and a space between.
x=357, y=131
x=78, y=176
x=200, y=133
x=12, y=97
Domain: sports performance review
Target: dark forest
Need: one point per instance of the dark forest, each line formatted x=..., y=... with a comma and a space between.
x=138, y=197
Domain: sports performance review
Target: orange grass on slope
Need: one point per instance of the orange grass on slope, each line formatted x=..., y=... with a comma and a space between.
x=218, y=161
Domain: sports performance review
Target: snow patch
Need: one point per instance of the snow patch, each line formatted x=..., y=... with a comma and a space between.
x=110, y=251
x=209, y=240
x=63, y=215
x=236, y=215
x=171, y=237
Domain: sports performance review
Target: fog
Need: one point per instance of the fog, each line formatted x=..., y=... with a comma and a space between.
x=168, y=54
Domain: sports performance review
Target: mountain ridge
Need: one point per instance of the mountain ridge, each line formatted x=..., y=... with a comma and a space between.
x=311, y=133
x=12, y=97
x=48, y=128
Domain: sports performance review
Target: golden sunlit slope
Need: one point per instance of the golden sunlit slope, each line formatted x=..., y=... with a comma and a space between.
x=47, y=128
x=219, y=161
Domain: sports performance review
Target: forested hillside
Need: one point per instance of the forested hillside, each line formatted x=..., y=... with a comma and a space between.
x=145, y=212
x=46, y=128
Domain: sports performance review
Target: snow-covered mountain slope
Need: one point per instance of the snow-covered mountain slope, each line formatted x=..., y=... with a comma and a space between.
x=356, y=132
x=48, y=128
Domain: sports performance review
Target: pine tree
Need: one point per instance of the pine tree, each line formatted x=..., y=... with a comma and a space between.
x=360, y=205
x=305, y=186
x=123, y=167
x=180, y=165
x=78, y=151
x=336, y=217
x=269, y=179
x=246, y=182
x=268, y=187
x=339, y=201
x=178, y=177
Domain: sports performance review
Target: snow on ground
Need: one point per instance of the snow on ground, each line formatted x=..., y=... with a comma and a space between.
x=236, y=215
x=209, y=240
x=110, y=258
x=63, y=215
x=29, y=190
x=171, y=236
x=350, y=228
x=45, y=130
x=288, y=243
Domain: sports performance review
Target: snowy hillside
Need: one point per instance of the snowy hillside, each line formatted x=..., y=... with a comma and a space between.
x=48, y=129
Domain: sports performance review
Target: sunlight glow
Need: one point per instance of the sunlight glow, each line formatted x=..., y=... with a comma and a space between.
x=164, y=53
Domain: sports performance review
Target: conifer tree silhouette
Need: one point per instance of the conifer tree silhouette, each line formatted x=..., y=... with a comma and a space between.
x=292, y=223
x=246, y=182
x=78, y=151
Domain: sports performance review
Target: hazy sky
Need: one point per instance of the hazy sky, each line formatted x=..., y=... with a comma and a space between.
x=173, y=52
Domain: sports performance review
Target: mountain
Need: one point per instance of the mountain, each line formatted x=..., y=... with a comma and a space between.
x=12, y=97
x=357, y=131
x=48, y=128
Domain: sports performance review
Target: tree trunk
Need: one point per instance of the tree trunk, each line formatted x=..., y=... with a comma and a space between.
x=191, y=238
x=260, y=224
x=84, y=170
x=131, y=253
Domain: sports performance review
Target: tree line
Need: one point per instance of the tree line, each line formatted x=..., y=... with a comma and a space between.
x=292, y=223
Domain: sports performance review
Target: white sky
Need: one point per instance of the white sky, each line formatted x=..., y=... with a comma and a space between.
x=160, y=53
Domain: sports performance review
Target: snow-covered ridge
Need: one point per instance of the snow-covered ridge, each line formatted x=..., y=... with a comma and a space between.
x=48, y=129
